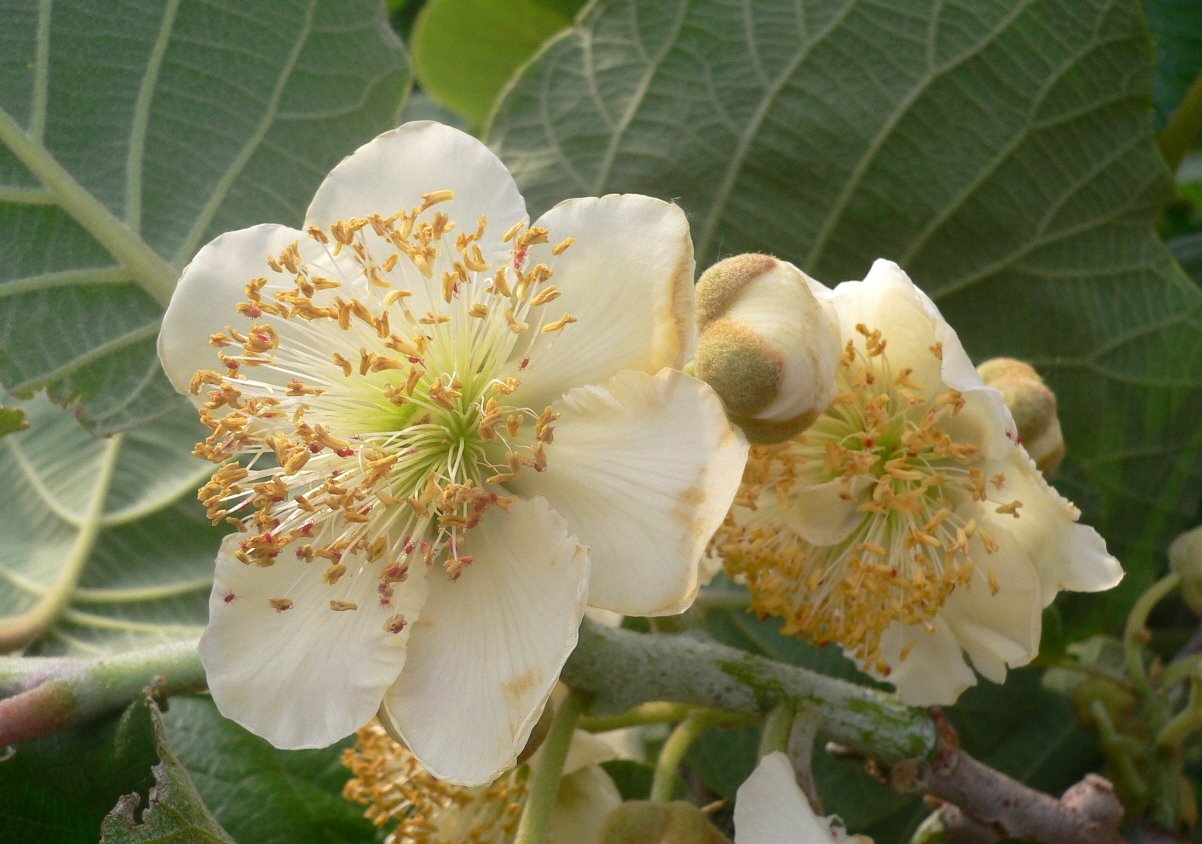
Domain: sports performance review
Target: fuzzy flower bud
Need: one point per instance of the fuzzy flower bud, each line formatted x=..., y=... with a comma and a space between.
x=1185, y=558
x=1033, y=406
x=767, y=345
x=643, y=822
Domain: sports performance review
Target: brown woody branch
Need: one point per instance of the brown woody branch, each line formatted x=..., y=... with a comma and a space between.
x=988, y=800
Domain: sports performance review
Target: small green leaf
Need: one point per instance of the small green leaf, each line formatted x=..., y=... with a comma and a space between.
x=102, y=546
x=12, y=419
x=465, y=50
x=174, y=811
x=261, y=794
x=132, y=134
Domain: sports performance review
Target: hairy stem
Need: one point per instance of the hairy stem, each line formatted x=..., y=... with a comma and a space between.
x=622, y=669
x=50, y=694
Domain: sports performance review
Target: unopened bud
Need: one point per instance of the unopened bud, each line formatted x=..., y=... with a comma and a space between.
x=1185, y=558
x=1033, y=407
x=767, y=345
x=643, y=822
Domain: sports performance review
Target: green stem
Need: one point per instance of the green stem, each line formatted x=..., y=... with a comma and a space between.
x=675, y=748
x=1070, y=664
x=544, y=783
x=777, y=725
x=647, y=713
x=51, y=694
x=1133, y=657
x=1183, y=128
x=1184, y=723
x=1118, y=751
x=1178, y=670
x=622, y=669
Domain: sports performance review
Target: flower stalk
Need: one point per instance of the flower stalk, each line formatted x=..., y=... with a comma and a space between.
x=544, y=784
x=679, y=741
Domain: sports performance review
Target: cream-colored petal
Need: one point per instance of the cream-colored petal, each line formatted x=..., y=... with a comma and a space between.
x=209, y=290
x=998, y=630
x=488, y=648
x=933, y=673
x=1067, y=555
x=307, y=675
x=771, y=809
x=585, y=799
x=819, y=513
x=911, y=325
x=391, y=172
x=627, y=279
x=643, y=469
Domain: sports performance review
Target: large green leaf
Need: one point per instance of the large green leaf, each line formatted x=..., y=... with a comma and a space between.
x=131, y=135
x=1001, y=151
x=105, y=547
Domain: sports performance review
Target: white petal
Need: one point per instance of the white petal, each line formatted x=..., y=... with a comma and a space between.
x=818, y=513
x=911, y=324
x=934, y=672
x=306, y=676
x=1002, y=630
x=1067, y=555
x=391, y=172
x=628, y=280
x=487, y=650
x=771, y=809
x=644, y=470
x=210, y=288
x=584, y=801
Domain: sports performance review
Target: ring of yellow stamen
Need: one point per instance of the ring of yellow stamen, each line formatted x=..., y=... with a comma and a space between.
x=421, y=809
x=885, y=441
x=395, y=433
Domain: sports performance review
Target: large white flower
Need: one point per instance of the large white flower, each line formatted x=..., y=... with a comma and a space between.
x=771, y=809
x=442, y=431
x=907, y=524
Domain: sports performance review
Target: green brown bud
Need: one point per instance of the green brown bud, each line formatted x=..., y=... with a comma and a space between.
x=1033, y=406
x=767, y=344
x=1185, y=558
x=643, y=822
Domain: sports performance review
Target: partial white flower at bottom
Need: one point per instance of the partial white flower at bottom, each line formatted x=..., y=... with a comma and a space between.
x=422, y=809
x=443, y=430
x=907, y=525
x=770, y=808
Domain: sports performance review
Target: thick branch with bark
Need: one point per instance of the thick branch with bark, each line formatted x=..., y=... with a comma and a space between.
x=1088, y=813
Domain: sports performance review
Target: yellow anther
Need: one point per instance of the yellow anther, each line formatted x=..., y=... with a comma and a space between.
x=559, y=324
